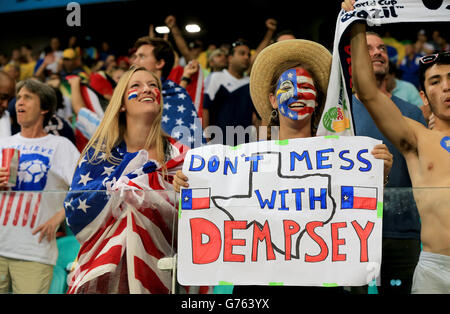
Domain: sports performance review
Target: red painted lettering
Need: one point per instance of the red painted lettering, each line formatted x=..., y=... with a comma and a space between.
x=229, y=242
x=204, y=253
x=363, y=235
x=310, y=226
x=260, y=235
x=290, y=228
x=337, y=241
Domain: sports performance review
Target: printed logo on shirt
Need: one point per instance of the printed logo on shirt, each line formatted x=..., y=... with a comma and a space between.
x=33, y=170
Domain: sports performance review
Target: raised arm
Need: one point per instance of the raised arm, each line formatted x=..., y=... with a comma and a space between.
x=384, y=112
x=178, y=37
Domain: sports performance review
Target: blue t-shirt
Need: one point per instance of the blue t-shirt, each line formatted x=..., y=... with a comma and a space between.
x=400, y=215
x=410, y=70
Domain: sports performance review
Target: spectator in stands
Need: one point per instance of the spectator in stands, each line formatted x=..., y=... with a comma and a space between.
x=27, y=62
x=74, y=44
x=187, y=72
x=401, y=88
x=401, y=225
x=188, y=52
x=180, y=114
x=273, y=83
x=7, y=86
x=28, y=248
x=69, y=64
x=227, y=99
x=156, y=55
x=15, y=57
x=13, y=69
x=284, y=35
x=127, y=150
x=409, y=66
x=3, y=60
x=421, y=46
x=425, y=151
x=55, y=55
x=57, y=125
x=217, y=60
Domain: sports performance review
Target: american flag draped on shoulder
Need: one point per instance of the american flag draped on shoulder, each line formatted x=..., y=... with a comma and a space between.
x=180, y=117
x=337, y=117
x=125, y=224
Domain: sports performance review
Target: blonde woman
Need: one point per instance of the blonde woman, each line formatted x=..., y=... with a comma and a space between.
x=123, y=235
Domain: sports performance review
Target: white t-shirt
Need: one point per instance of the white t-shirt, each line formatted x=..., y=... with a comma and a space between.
x=5, y=124
x=46, y=163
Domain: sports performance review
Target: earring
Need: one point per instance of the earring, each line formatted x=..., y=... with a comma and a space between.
x=122, y=109
x=274, y=114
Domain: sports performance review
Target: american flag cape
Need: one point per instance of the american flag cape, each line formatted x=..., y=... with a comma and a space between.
x=180, y=117
x=125, y=224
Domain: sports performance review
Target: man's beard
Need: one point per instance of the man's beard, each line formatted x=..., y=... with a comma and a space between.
x=380, y=75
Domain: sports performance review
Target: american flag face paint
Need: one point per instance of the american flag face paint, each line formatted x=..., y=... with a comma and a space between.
x=296, y=94
x=132, y=93
x=157, y=94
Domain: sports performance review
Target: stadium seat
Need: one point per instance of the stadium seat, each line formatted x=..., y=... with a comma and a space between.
x=59, y=283
x=68, y=248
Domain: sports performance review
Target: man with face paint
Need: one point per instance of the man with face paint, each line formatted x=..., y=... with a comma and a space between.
x=426, y=152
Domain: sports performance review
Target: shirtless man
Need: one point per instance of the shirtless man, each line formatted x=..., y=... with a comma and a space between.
x=426, y=153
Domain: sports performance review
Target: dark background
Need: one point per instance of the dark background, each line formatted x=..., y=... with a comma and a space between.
x=121, y=23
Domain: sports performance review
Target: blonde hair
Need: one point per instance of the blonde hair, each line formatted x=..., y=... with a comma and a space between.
x=112, y=127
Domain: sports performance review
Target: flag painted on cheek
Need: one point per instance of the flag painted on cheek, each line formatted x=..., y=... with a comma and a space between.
x=296, y=94
x=158, y=95
x=132, y=93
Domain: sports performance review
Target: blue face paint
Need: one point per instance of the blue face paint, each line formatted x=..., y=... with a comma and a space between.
x=445, y=143
x=296, y=94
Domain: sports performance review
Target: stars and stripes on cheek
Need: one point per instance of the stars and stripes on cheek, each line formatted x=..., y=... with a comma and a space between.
x=305, y=85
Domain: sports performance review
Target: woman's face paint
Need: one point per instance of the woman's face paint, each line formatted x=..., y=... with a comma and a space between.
x=296, y=94
x=157, y=93
x=132, y=93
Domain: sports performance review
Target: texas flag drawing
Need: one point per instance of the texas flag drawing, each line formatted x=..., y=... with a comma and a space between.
x=358, y=197
x=195, y=198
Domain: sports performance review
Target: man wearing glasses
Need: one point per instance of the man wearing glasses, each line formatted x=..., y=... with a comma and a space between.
x=426, y=153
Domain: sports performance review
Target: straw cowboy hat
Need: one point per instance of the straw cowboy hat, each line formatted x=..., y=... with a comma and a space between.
x=313, y=55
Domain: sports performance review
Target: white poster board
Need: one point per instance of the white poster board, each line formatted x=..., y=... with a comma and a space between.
x=304, y=212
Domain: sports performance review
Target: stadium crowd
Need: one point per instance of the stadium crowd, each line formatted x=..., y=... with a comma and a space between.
x=201, y=86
